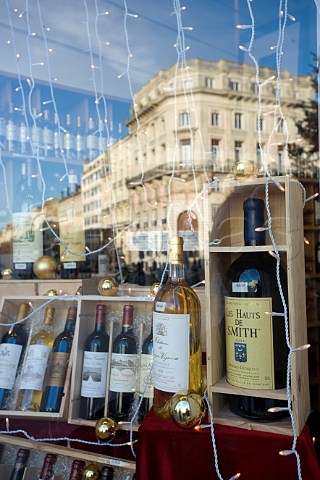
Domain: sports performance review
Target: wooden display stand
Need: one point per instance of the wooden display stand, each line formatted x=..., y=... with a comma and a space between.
x=286, y=208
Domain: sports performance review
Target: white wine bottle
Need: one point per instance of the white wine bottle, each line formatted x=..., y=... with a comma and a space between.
x=34, y=369
x=176, y=335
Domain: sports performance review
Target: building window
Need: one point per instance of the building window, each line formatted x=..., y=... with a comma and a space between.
x=215, y=152
x=237, y=151
x=280, y=169
x=280, y=125
x=209, y=82
x=185, y=153
x=187, y=84
x=261, y=124
x=235, y=86
x=214, y=119
x=259, y=156
x=237, y=120
x=184, y=119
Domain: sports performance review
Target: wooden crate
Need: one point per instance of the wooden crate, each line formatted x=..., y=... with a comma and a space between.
x=38, y=287
x=227, y=225
x=142, y=317
x=8, y=308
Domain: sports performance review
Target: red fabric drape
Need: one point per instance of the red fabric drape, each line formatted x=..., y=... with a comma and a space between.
x=168, y=452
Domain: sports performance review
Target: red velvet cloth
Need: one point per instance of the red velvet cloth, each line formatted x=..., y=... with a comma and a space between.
x=168, y=452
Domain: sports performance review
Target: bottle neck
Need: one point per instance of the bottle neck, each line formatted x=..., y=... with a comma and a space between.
x=70, y=324
x=176, y=271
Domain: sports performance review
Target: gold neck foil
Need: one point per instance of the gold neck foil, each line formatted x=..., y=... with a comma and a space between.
x=175, y=256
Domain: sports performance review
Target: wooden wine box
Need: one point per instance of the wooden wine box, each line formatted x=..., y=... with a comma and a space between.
x=142, y=316
x=223, y=244
x=8, y=308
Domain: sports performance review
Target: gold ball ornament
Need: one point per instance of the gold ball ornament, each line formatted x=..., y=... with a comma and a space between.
x=106, y=428
x=154, y=289
x=6, y=274
x=52, y=293
x=244, y=169
x=91, y=471
x=187, y=410
x=45, y=267
x=107, y=287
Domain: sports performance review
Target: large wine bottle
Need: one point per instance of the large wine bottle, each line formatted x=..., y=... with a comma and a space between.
x=20, y=464
x=94, y=370
x=27, y=224
x=176, y=335
x=35, y=365
x=146, y=377
x=57, y=366
x=123, y=369
x=107, y=473
x=256, y=351
x=47, y=467
x=11, y=353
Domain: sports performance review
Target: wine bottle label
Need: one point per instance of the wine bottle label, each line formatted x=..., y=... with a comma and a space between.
x=239, y=287
x=80, y=143
x=249, y=342
x=48, y=137
x=27, y=237
x=57, y=369
x=9, y=361
x=69, y=265
x=94, y=374
x=68, y=141
x=123, y=372
x=12, y=132
x=35, y=367
x=23, y=133
x=73, y=235
x=171, y=351
x=146, y=375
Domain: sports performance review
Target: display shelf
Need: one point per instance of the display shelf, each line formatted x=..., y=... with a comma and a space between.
x=225, y=222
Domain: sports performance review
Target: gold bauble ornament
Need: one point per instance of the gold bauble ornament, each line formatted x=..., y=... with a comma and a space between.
x=187, y=410
x=244, y=169
x=6, y=274
x=107, y=287
x=45, y=267
x=91, y=471
x=106, y=428
x=154, y=289
x=52, y=293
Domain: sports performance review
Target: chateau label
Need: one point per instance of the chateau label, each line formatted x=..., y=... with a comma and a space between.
x=249, y=342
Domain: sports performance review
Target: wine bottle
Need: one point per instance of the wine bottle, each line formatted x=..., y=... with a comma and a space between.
x=80, y=141
x=23, y=138
x=12, y=131
x=176, y=335
x=103, y=257
x=69, y=139
x=102, y=138
x=92, y=141
x=20, y=464
x=34, y=369
x=317, y=211
x=94, y=370
x=146, y=381
x=57, y=138
x=48, y=135
x=47, y=472
x=76, y=470
x=27, y=223
x=318, y=256
x=123, y=369
x=11, y=353
x=57, y=366
x=36, y=134
x=256, y=350
x=3, y=129
x=107, y=473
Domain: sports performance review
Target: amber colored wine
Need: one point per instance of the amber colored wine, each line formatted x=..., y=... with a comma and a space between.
x=57, y=366
x=94, y=370
x=34, y=369
x=11, y=353
x=256, y=350
x=176, y=335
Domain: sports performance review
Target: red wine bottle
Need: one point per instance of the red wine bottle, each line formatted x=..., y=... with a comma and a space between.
x=47, y=467
x=123, y=369
x=94, y=370
x=146, y=383
x=107, y=473
x=20, y=464
x=256, y=350
x=12, y=347
x=76, y=470
x=58, y=365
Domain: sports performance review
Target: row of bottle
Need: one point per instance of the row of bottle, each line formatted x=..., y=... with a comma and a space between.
x=42, y=136
x=48, y=471
x=42, y=379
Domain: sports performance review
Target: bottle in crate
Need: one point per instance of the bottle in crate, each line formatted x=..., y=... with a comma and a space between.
x=47, y=470
x=20, y=464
